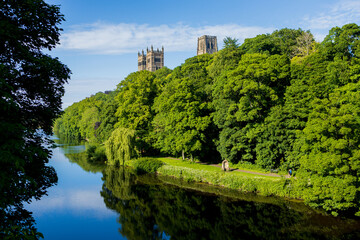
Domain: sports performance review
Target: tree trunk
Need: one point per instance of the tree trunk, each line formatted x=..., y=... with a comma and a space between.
x=183, y=155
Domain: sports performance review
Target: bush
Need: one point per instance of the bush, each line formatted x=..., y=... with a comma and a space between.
x=96, y=153
x=147, y=165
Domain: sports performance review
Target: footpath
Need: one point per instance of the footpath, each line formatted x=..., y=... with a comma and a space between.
x=238, y=170
x=245, y=171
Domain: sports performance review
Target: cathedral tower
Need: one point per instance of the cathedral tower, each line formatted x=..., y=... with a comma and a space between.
x=207, y=44
x=152, y=60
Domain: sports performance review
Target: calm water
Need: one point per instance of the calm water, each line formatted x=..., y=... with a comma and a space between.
x=94, y=202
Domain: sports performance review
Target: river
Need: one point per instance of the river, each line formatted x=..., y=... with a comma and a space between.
x=93, y=201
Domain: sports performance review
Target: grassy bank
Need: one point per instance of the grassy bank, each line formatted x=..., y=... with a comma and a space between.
x=246, y=182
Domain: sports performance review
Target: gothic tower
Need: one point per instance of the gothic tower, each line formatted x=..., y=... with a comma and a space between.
x=152, y=60
x=207, y=44
x=141, y=61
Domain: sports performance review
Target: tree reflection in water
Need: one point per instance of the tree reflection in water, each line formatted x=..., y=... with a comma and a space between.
x=150, y=209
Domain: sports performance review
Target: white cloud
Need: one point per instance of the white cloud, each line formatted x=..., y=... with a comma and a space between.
x=80, y=202
x=341, y=13
x=103, y=38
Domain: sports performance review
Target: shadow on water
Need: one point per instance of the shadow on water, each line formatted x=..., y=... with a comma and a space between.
x=150, y=207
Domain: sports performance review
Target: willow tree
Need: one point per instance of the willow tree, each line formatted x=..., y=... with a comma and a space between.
x=121, y=146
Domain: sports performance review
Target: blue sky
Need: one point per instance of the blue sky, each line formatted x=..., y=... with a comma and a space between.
x=101, y=39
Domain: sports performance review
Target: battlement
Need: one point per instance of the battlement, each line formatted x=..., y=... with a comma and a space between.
x=151, y=60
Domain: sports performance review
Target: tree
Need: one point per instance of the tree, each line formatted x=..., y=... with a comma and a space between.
x=243, y=99
x=342, y=43
x=316, y=77
x=135, y=99
x=107, y=118
x=305, y=45
x=230, y=42
x=183, y=122
x=31, y=86
x=280, y=42
x=121, y=146
x=330, y=167
x=225, y=60
x=89, y=119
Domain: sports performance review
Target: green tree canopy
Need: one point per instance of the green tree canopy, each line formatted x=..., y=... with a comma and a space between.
x=243, y=99
x=281, y=41
x=183, y=122
x=342, y=43
x=121, y=146
x=279, y=100
x=135, y=97
x=230, y=42
x=329, y=169
x=31, y=87
x=135, y=100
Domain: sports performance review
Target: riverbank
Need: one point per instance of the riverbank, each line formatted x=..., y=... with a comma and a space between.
x=246, y=181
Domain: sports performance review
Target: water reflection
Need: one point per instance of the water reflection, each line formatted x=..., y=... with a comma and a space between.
x=74, y=209
x=74, y=152
x=93, y=201
x=150, y=209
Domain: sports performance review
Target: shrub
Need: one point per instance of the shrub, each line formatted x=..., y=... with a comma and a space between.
x=96, y=153
x=147, y=165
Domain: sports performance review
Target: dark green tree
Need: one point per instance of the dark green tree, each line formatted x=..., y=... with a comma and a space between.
x=281, y=41
x=135, y=99
x=31, y=87
x=330, y=166
x=108, y=119
x=243, y=99
x=342, y=43
x=183, y=123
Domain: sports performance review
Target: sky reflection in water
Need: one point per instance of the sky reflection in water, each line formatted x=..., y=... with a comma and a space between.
x=91, y=202
x=74, y=209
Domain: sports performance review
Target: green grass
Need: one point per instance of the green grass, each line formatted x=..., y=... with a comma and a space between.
x=247, y=182
x=262, y=185
x=188, y=164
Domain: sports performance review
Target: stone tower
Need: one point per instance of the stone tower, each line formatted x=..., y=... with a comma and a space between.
x=207, y=44
x=152, y=60
x=141, y=61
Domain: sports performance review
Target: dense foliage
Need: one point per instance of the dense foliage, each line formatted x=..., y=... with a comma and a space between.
x=92, y=119
x=31, y=87
x=147, y=165
x=121, y=146
x=183, y=120
x=278, y=100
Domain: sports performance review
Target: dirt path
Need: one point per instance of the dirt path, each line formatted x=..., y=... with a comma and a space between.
x=245, y=171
